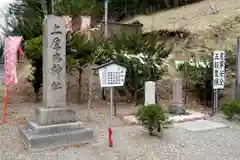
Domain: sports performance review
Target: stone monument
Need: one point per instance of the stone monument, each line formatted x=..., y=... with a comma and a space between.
x=177, y=106
x=54, y=124
x=150, y=93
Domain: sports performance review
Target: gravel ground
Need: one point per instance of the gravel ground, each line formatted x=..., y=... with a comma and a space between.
x=130, y=142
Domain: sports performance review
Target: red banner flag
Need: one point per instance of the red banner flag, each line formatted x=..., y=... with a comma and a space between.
x=11, y=47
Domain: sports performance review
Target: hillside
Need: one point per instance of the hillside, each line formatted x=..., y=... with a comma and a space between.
x=209, y=31
x=205, y=29
x=192, y=17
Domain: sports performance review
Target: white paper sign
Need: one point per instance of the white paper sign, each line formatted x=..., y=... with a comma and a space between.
x=218, y=69
x=112, y=75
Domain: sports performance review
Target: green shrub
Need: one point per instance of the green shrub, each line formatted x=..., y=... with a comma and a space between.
x=33, y=51
x=230, y=109
x=152, y=117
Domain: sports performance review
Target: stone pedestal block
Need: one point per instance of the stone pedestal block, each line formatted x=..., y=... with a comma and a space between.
x=46, y=131
x=176, y=109
x=54, y=128
x=47, y=116
x=41, y=141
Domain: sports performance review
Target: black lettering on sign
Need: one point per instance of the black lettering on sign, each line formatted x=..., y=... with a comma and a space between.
x=56, y=85
x=221, y=81
x=216, y=56
x=221, y=56
x=221, y=73
x=56, y=68
x=217, y=73
x=216, y=65
x=56, y=43
x=56, y=29
x=217, y=81
x=221, y=64
x=57, y=57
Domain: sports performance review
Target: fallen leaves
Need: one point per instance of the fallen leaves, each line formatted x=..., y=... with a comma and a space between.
x=21, y=121
x=54, y=149
x=75, y=146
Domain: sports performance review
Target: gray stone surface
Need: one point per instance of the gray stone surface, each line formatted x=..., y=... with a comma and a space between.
x=150, y=93
x=176, y=106
x=54, y=62
x=54, y=128
x=201, y=125
x=54, y=125
x=35, y=142
x=48, y=116
x=176, y=109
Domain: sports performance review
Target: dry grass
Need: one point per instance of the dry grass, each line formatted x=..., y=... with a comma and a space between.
x=193, y=17
x=209, y=31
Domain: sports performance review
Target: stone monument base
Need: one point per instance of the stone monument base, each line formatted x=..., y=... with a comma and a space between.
x=64, y=130
x=176, y=109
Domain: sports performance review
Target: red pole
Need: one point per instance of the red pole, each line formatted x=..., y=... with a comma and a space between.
x=110, y=137
x=110, y=119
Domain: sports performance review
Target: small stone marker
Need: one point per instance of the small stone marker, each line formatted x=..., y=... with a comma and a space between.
x=177, y=106
x=54, y=125
x=150, y=95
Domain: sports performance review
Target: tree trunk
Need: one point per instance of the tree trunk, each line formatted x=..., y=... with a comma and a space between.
x=49, y=6
x=67, y=90
x=127, y=92
x=185, y=96
x=79, y=85
x=159, y=127
x=167, y=3
x=186, y=82
x=90, y=92
x=135, y=96
x=36, y=98
x=150, y=129
x=135, y=89
x=104, y=98
x=90, y=96
x=176, y=3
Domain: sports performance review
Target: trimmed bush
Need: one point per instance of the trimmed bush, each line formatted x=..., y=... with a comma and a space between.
x=152, y=117
x=230, y=109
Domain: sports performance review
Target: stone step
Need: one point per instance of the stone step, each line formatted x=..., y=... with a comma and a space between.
x=55, y=128
x=36, y=142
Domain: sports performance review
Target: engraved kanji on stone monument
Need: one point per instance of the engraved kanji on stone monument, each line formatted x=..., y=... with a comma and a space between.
x=54, y=124
x=177, y=106
x=55, y=63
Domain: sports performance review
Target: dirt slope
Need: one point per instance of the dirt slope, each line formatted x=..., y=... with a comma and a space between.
x=193, y=17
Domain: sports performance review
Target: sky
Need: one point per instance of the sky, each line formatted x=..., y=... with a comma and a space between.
x=3, y=6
